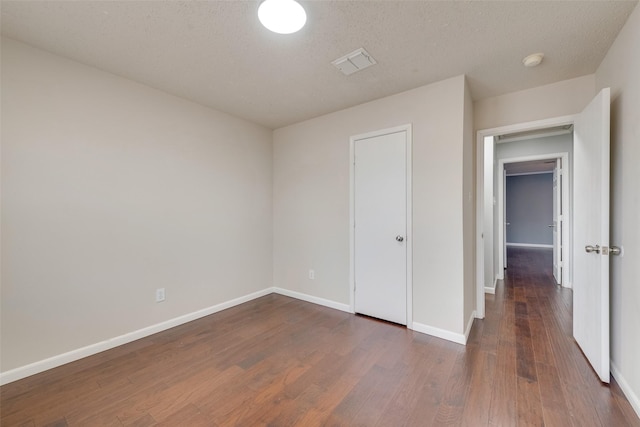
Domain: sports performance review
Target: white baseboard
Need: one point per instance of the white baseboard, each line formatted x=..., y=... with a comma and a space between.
x=529, y=245
x=312, y=299
x=418, y=327
x=90, y=350
x=439, y=333
x=444, y=334
x=631, y=396
x=469, y=326
x=489, y=289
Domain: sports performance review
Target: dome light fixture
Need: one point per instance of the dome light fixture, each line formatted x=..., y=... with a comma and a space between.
x=282, y=16
x=533, y=60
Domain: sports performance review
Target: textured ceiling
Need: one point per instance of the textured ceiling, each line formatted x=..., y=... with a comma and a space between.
x=217, y=53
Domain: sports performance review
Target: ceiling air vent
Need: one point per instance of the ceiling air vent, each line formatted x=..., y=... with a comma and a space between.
x=357, y=60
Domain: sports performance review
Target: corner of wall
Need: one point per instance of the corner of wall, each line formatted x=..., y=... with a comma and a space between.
x=469, y=205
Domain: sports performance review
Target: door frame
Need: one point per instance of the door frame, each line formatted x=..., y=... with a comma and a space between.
x=409, y=233
x=566, y=217
x=480, y=135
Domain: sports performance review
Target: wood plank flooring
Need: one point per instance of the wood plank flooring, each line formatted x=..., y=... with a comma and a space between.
x=281, y=362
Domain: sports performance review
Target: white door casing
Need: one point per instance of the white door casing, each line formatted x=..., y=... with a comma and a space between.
x=591, y=230
x=557, y=222
x=565, y=194
x=505, y=223
x=381, y=238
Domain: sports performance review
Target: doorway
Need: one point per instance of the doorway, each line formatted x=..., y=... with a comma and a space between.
x=500, y=148
x=381, y=225
x=589, y=245
x=557, y=227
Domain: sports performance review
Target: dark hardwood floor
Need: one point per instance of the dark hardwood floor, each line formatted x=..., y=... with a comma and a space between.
x=281, y=362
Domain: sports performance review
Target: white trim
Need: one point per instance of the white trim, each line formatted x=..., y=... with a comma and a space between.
x=492, y=290
x=409, y=240
x=467, y=331
x=529, y=245
x=439, y=333
x=80, y=353
x=480, y=196
x=312, y=299
x=633, y=399
x=73, y=355
x=409, y=233
x=526, y=126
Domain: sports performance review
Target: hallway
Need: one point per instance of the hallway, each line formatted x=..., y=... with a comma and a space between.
x=529, y=322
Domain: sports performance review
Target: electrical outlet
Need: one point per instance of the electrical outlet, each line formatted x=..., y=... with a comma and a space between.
x=312, y=274
x=160, y=295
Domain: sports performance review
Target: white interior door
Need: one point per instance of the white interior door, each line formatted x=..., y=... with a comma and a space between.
x=380, y=221
x=557, y=222
x=591, y=233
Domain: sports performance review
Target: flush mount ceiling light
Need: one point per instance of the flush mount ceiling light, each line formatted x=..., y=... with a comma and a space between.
x=282, y=16
x=533, y=59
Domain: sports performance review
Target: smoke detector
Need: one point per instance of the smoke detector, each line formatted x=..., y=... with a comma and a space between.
x=357, y=60
x=533, y=60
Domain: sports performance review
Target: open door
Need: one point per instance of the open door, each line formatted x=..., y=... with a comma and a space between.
x=591, y=233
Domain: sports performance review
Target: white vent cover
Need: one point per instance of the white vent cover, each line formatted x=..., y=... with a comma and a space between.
x=357, y=60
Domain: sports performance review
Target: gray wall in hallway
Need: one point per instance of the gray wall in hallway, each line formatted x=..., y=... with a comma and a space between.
x=529, y=209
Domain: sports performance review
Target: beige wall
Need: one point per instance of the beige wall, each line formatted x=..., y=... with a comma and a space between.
x=620, y=70
x=468, y=203
x=311, y=199
x=111, y=189
x=543, y=102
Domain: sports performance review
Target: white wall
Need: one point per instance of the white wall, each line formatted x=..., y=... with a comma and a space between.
x=620, y=70
x=111, y=189
x=311, y=199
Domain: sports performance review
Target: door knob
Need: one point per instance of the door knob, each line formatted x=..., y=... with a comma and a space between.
x=589, y=249
x=551, y=226
x=399, y=238
x=611, y=250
